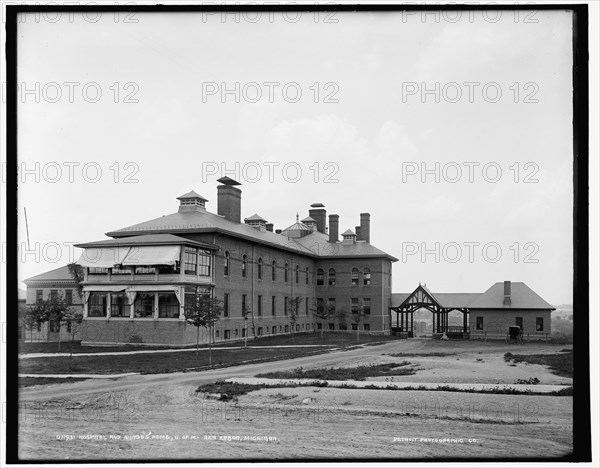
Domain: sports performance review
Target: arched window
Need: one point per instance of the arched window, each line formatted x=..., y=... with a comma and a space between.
x=260, y=268
x=331, y=277
x=226, y=264
x=274, y=271
x=244, y=265
x=366, y=277
x=306, y=275
x=354, y=276
x=320, y=277
x=297, y=274
x=286, y=273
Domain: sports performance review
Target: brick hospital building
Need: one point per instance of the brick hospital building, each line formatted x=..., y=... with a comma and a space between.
x=138, y=281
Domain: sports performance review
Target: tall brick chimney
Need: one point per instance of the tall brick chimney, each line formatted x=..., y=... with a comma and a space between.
x=357, y=231
x=365, y=227
x=319, y=214
x=334, y=227
x=507, y=300
x=229, y=200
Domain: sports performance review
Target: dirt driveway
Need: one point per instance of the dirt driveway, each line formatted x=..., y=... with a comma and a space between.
x=161, y=416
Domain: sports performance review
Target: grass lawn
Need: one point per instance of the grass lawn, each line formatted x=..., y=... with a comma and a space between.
x=560, y=364
x=329, y=339
x=30, y=381
x=344, y=373
x=158, y=363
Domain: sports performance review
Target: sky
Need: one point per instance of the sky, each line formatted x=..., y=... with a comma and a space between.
x=453, y=132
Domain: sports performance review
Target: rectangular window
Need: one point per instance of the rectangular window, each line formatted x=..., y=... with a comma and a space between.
x=287, y=328
x=331, y=301
x=243, y=305
x=69, y=296
x=285, y=306
x=53, y=294
x=306, y=306
x=366, y=327
x=145, y=270
x=260, y=331
x=539, y=324
x=120, y=270
x=54, y=326
x=479, y=323
x=168, y=305
x=367, y=305
x=319, y=326
x=97, y=271
x=168, y=269
x=204, y=262
x=320, y=277
x=354, y=305
x=273, y=329
x=39, y=295
x=519, y=322
x=332, y=326
x=144, y=305
x=97, y=304
x=227, y=334
x=190, y=261
x=226, y=305
x=119, y=305
x=259, y=305
x=273, y=306
x=243, y=332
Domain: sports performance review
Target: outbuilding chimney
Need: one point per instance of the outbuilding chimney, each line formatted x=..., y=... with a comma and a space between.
x=319, y=214
x=229, y=200
x=269, y=227
x=507, y=300
x=334, y=230
x=365, y=227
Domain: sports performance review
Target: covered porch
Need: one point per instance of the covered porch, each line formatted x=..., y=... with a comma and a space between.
x=404, y=306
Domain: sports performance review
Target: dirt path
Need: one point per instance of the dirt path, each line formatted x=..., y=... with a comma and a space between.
x=161, y=416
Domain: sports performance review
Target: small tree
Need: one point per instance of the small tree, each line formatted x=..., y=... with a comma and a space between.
x=60, y=313
x=358, y=314
x=293, y=309
x=322, y=310
x=78, y=275
x=48, y=310
x=203, y=310
x=34, y=316
x=341, y=317
x=72, y=319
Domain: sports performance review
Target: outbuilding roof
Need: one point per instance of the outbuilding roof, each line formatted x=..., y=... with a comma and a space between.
x=60, y=274
x=522, y=297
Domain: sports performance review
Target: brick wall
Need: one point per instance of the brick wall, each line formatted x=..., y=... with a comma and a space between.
x=496, y=323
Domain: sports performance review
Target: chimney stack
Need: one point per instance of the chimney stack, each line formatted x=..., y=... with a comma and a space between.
x=357, y=231
x=507, y=300
x=334, y=222
x=269, y=227
x=319, y=214
x=229, y=200
x=365, y=227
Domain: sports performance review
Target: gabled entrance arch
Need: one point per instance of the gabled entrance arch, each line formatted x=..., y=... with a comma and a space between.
x=422, y=298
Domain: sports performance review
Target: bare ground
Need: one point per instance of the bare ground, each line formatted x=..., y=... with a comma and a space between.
x=307, y=422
